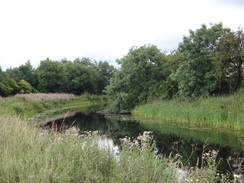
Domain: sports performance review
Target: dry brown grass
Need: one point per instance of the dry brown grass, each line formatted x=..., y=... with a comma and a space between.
x=46, y=96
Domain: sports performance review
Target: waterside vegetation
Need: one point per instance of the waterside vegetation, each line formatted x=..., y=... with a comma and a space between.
x=27, y=105
x=208, y=62
x=31, y=154
x=218, y=112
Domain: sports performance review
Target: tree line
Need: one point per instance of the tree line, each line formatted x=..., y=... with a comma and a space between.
x=63, y=76
x=208, y=62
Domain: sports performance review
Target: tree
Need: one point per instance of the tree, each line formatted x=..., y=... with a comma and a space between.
x=170, y=87
x=28, y=73
x=196, y=77
x=50, y=75
x=8, y=87
x=25, y=72
x=80, y=77
x=13, y=73
x=24, y=86
x=106, y=72
x=141, y=74
x=229, y=61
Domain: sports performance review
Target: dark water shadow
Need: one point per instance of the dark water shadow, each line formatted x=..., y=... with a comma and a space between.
x=172, y=139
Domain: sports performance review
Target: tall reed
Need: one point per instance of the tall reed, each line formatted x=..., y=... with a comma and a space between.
x=221, y=112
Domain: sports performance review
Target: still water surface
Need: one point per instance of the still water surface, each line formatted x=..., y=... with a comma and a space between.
x=189, y=142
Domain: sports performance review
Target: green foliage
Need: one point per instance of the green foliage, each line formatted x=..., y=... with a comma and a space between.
x=25, y=72
x=229, y=61
x=197, y=76
x=76, y=77
x=170, y=87
x=24, y=87
x=8, y=87
x=106, y=72
x=141, y=74
x=207, y=62
x=29, y=104
x=50, y=76
x=80, y=78
x=220, y=112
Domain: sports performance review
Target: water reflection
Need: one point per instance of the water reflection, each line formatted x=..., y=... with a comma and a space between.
x=170, y=138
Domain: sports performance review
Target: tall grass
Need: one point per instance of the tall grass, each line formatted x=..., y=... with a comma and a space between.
x=221, y=112
x=29, y=154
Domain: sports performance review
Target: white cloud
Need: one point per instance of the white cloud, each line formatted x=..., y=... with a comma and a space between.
x=102, y=30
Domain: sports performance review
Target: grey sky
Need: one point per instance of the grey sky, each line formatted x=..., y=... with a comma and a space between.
x=102, y=29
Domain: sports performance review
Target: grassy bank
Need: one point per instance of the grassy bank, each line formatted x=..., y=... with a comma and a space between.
x=30, y=154
x=219, y=112
x=26, y=105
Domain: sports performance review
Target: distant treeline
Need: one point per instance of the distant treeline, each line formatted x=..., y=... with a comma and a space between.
x=64, y=76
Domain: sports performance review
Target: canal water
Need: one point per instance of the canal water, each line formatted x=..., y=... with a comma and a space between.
x=189, y=142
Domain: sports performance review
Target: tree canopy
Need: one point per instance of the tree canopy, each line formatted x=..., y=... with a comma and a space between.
x=64, y=76
x=196, y=77
x=139, y=78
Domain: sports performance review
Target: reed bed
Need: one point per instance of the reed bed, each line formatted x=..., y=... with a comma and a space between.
x=220, y=112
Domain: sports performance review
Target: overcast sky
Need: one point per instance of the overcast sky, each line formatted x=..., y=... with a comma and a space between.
x=102, y=29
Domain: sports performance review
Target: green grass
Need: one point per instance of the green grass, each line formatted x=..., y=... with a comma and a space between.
x=29, y=154
x=31, y=104
x=220, y=112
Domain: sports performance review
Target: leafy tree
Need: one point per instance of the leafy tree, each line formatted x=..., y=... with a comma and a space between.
x=196, y=77
x=8, y=87
x=28, y=73
x=106, y=72
x=80, y=77
x=25, y=72
x=50, y=75
x=24, y=86
x=229, y=61
x=13, y=73
x=141, y=74
x=170, y=87
x=84, y=61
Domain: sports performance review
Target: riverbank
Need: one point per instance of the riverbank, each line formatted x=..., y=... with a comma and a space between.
x=31, y=154
x=214, y=112
x=27, y=105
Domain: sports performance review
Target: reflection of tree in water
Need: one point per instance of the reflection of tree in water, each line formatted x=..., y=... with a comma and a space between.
x=190, y=149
